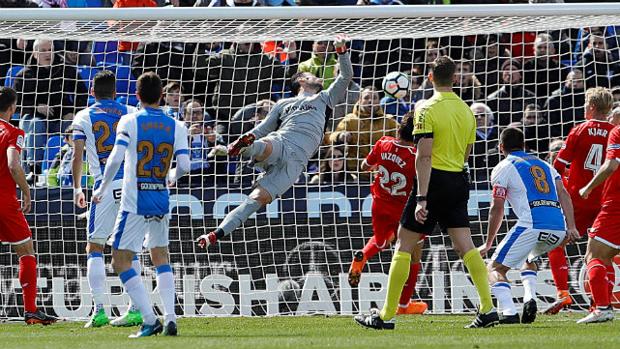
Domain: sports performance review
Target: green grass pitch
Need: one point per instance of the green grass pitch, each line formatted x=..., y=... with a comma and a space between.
x=428, y=331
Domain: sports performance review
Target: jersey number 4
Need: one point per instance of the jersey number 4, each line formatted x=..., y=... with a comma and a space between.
x=399, y=180
x=595, y=158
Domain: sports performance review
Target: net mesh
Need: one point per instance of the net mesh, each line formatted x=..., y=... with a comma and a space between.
x=293, y=257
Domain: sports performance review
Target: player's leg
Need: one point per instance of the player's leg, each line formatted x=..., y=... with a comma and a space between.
x=96, y=275
x=503, y=293
x=132, y=316
x=128, y=239
x=14, y=229
x=405, y=304
x=157, y=242
x=599, y=256
x=529, y=278
x=559, y=270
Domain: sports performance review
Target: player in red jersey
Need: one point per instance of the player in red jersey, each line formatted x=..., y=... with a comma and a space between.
x=584, y=151
x=394, y=161
x=14, y=229
x=604, y=236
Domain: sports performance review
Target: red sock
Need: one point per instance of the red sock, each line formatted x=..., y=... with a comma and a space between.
x=409, y=288
x=611, y=278
x=599, y=285
x=559, y=268
x=371, y=249
x=28, y=280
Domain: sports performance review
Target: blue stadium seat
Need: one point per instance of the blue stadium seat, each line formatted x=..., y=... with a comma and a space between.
x=54, y=143
x=9, y=81
x=87, y=73
x=106, y=53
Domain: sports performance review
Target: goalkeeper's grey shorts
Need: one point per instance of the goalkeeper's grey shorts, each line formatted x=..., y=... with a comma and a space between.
x=282, y=168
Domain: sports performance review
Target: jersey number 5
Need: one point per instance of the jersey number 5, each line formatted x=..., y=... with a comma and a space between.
x=540, y=179
x=399, y=179
x=147, y=167
x=595, y=158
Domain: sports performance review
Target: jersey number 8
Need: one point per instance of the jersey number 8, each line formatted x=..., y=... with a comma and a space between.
x=540, y=179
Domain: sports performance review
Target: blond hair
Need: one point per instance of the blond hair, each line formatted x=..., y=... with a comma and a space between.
x=600, y=98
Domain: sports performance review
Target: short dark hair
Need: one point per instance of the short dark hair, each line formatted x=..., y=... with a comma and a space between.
x=295, y=83
x=8, y=97
x=104, y=85
x=512, y=139
x=149, y=88
x=405, y=130
x=173, y=85
x=443, y=71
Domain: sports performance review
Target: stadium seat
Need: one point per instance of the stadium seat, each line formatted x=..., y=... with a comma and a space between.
x=54, y=143
x=87, y=73
x=9, y=81
x=106, y=53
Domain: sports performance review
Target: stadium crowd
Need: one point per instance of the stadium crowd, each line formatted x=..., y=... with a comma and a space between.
x=535, y=81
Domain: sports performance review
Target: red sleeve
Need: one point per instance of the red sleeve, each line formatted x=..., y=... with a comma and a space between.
x=373, y=157
x=16, y=139
x=567, y=153
x=613, y=144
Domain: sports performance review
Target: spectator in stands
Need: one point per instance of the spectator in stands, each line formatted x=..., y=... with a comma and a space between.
x=615, y=91
x=59, y=173
x=555, y=145
x=536, y=129
x=542, y=73
x=361, y=129
x=49, y=92
x=598, y=65
x=171, y=61
x=485, y=154
x=614, y=116
x=173, y=97
x=332, y=169
x=244, y=120
x=565, y=106
x=508, y=102
x=467, y=86
x=489, y=56
x=283, y=51
x=241, y=74
x=126, y=46
x=322, y=63
x=226, y=3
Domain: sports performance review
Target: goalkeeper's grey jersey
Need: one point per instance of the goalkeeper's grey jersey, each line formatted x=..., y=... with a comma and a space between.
x=300, y=120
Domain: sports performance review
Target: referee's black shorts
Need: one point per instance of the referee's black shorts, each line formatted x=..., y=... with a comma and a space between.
x=448, y=193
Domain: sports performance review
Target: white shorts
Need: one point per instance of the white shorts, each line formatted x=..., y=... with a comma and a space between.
x=102, y=216
x=131, y=229
x=521, y=244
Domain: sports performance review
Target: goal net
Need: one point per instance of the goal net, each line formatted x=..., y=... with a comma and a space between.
x=522, y=65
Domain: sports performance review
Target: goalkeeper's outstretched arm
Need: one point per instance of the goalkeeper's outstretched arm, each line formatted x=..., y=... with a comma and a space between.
x=337, y=90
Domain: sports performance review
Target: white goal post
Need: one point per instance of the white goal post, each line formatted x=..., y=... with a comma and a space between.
x=292, y=257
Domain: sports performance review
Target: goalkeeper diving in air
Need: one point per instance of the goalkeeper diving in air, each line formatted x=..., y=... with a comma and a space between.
x=284, y=141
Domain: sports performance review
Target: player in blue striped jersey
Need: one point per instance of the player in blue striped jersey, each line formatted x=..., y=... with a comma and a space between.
x=544, y=209
x=95, y=132
x=147, y=141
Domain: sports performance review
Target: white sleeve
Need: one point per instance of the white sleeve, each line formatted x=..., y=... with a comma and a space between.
x=554, y=173
x=181, y=152
x=499, y=176
x=80, y=124
x=131, y=109
x=124, y=132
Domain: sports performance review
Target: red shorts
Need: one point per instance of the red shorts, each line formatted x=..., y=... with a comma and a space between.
x=585, y=217
x=606, y=227
x=385, y=222
x=14, y=228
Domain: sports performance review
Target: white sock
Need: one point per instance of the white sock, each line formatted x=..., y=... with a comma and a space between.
x=95, y=272
x=136, y=290
x=503, y=294
x=137, y=266
x=165, y=285
x=528, y=278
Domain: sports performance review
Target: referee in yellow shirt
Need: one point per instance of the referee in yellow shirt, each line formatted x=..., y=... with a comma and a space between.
x=445, y=130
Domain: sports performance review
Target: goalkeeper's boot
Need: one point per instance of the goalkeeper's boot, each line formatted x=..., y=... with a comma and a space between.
x=170, y=329
x=529, y=312
x=374, y=321
x=355, y=271
x=482, y=320
x=39, y=317
x=207, y=240
x=131, y=318
x=563, y=301
x=148, y=330
x=99, y=319
x=598, y=315
x=412, y=308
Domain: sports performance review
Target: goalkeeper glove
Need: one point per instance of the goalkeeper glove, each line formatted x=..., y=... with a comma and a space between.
x=237, y=147
x=340, y=43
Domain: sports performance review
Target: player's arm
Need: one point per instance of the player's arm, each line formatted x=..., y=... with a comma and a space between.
x=370, y=162
x=423, y=165
x=496, y=217
x=17, y=172
x=337, y=91
x=76, y=172
x=566, y=153
x=181, y=154
x=606, y=170
x=567, y=207
x=268, y=125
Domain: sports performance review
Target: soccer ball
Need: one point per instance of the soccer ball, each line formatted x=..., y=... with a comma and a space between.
x=396, y=84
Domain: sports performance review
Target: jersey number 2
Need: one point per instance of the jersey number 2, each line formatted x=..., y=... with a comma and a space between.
x=105, y=135
x=595, y=158
x=399, y=179
x=164, y=150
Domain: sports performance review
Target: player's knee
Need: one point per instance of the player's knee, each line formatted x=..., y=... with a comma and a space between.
x=24, y=249
x=497, y=272
x=159, y=256
x=266, y=151
x=121, y=261
x=261, y=196
x=94, y=248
